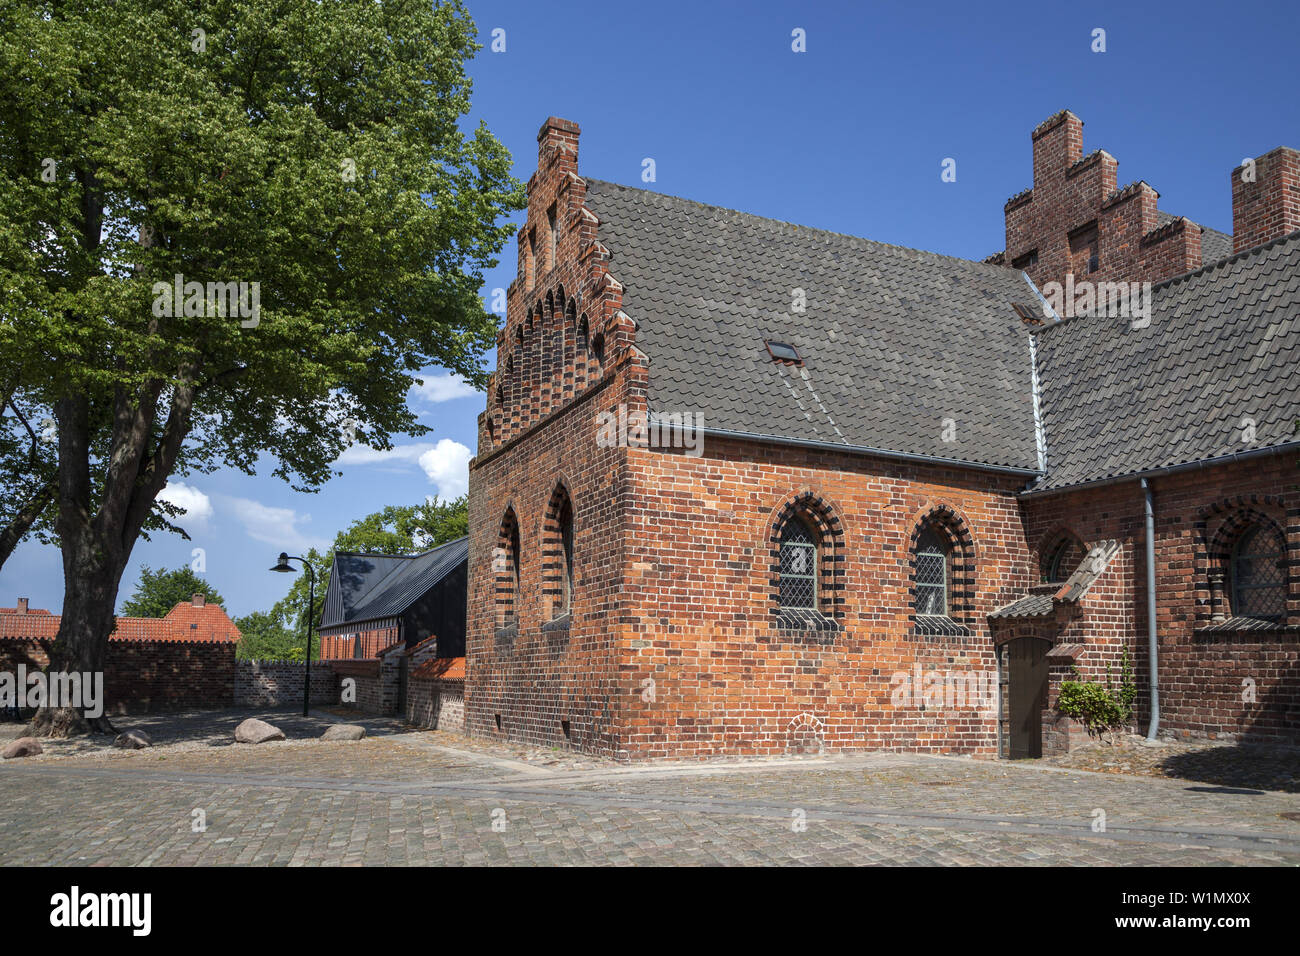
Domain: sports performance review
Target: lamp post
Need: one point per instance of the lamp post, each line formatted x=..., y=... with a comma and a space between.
x=283, y=565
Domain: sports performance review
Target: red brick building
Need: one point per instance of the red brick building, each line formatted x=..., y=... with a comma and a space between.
x=744, y=487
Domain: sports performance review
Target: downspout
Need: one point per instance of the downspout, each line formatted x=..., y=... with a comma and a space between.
x=1154, y=726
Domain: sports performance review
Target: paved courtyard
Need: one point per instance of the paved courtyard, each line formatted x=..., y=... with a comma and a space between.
x=425, y=798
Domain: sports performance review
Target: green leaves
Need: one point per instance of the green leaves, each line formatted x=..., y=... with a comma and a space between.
x=1100, y=708
x=230, y=165
x=310, y=151
x=159, y=591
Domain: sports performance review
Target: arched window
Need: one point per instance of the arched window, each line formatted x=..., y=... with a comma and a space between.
x=798, y=565
x=1257, y=575
x=1061, y=559
x=557, y=554
x=806, y=545
x=943, y=573
x=566, y=552
x=933, y=573
x=505, y=564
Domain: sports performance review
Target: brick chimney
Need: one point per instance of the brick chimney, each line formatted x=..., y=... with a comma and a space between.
x=1269, y=206
x=558, y=137
x=22, y=606
x=197, y=600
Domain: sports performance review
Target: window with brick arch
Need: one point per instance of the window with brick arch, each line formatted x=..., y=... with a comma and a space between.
x=566, y=553
x=558, y=570
x=933, y=574
x=1061, y=558
x=505, y=564
x=1257, y=580
x=798, y=565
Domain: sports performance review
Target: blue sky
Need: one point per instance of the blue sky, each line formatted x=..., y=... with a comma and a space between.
x=848, y=136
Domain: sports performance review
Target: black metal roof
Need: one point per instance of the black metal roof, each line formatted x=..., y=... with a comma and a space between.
x=367, y=587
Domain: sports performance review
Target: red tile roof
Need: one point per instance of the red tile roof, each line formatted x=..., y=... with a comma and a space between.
x=442, y=668
x=185, y=622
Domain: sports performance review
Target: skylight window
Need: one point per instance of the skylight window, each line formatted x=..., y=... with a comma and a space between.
x=783, y=352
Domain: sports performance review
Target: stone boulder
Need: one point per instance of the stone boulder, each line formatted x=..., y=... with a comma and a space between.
x=254, y=731
x=133, y=740
x=22, y=747
x=343, y=732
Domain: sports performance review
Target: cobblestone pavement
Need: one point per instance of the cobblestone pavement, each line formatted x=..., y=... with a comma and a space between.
x=1250, y=766
x=421, y=798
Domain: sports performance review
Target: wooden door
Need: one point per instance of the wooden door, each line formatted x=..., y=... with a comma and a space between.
x=1026, y=662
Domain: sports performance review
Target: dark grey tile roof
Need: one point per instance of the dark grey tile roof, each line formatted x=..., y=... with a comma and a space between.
x=1222, y=347
x=1215, y=245
x=894, y=340
x=1031, y=605
x=366, y=587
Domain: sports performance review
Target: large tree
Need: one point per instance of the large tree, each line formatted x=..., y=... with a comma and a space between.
x=314, y=149
x=159, y=591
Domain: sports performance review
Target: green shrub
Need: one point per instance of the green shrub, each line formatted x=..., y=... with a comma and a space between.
x=1100, y=708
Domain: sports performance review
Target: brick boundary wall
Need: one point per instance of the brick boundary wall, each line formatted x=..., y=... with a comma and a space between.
x=146, y=676
x=279, y=683
x=436, y=704
x=376, y=686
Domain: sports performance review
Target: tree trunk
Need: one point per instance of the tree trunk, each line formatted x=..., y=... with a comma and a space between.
x=92, y=570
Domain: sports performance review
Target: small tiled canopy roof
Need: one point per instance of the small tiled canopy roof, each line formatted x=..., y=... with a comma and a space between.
x=1043, y=599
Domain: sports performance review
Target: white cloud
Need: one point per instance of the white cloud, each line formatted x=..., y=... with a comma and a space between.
x=443, y=388
x=365, y=455
x=196, y=505
x=275, y=526
x=447, y=465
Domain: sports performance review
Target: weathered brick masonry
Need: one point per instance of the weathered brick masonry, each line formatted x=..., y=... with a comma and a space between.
x=1214, y=680
x=538, y=673
x=624, y=600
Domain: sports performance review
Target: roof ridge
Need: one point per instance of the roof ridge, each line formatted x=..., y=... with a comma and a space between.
x=982, y=266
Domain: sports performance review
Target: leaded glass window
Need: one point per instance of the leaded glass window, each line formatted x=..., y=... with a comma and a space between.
x=798, y=565
x=1259, y=584
x=931, y=574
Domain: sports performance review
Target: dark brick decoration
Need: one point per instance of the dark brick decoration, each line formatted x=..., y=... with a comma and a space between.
x=675, y=643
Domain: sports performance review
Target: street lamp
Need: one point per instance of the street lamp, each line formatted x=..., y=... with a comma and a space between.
x=283, y=565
